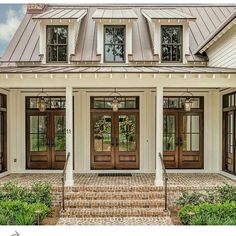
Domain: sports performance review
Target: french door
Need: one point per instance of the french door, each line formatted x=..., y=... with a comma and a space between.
x=46, y=139
x=183, y=139
x=229, y=141
x=114, y=140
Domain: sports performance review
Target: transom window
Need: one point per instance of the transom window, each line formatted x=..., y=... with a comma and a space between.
x=114, y=43
x=51, y=102
x=171, y=39
x=57, y=43
x=106, y=102
x=229, y=100
x=177, y=102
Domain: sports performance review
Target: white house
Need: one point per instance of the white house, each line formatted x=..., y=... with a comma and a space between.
x=115, y=85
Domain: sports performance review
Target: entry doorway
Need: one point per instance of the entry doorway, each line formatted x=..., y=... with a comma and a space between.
x=46, y=134
x=114, y=134
x=183, y=136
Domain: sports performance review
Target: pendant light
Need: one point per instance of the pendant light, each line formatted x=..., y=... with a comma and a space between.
x=42, y=101
x=115, y=101
x=188, y=101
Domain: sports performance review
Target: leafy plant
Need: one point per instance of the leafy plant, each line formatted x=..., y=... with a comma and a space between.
x=209, y=214
x=22, y=213
x=194, y=198
x=4, y=220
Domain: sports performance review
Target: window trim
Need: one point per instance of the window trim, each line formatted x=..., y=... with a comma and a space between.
x=104, y=43
x=67, y=42
x=181, y=43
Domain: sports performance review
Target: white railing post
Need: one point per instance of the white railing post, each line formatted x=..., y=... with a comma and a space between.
x=159, y=135
x=69, y=135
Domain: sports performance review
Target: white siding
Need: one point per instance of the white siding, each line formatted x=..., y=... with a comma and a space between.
x=223, y=52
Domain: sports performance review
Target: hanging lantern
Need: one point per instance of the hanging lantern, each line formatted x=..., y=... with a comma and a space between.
x=188, y=101
x=115, y=102
x=42, y=101
x=187, y=104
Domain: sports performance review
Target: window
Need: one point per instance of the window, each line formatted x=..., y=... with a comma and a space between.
x=171, y=39
x=114, y=43
x=57, y=40
x=106, y=102
x=177, y=102
x=3, y=133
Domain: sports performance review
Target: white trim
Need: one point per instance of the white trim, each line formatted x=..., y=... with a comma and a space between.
x=228, y=175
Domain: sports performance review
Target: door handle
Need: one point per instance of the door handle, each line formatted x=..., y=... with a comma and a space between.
x=113, y=141
x=117, y=141
x=52, y=142
x=180, y=141
x=48, y=142
x=177, y=141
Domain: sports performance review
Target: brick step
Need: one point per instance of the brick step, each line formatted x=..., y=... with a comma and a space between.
x=114, y=203
x=115, y=196
x=109, y=188
x=114, y=212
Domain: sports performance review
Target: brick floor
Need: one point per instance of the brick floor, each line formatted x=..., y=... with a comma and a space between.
x=175, y=180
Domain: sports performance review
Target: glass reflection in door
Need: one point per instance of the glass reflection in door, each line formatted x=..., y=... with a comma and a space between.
x=169, y=133
x=102, y=133
x=60, y=132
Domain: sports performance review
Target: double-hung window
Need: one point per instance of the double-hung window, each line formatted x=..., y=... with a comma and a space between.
x=114, y=43
x=171, y=40
x=57, y=43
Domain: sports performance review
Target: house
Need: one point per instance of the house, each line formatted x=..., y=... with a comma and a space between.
x=112, y=86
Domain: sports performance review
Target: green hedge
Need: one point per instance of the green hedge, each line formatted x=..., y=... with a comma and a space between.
x=209, y=214
x=16, y=212
x=18, y=205
x=37, y=192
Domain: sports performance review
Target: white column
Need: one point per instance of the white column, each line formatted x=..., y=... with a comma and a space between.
x=69, y=135
x=159, y=135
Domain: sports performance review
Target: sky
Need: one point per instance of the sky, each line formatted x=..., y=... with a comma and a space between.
x=10, y=18
x=12, y=14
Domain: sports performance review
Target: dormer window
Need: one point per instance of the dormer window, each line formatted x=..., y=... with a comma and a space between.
x=57, y=43
x=171, y=38
x=114, y=43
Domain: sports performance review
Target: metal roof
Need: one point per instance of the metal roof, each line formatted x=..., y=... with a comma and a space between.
x=114, y=13
x=117, y=69
x=62, y=13
x=166, y=13
x=24, y=47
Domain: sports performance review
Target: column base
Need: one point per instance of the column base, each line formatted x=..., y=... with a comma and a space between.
x=69, y=182
x=159, y=183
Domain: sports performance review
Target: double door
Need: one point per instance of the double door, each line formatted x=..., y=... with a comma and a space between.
x=46, y=139
x=114, y=140
x=183, y=139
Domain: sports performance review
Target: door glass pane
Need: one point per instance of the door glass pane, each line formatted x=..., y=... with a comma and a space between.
x=169, y=133
x=195, y=124
x=60, y=133
x=38, y=133
x=195, y=142
x=186, y=124
x=187, y=142
x=102, y=133
x=127, y=133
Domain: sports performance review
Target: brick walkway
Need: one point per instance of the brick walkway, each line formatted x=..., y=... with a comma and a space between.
x=175, y=180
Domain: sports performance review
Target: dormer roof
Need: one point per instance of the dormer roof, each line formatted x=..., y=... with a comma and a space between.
x=166, y=13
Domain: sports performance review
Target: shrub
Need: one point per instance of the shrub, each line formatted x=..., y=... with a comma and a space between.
x=17, y=212
x=222, y=194
x=209, y=214
x=38, y=192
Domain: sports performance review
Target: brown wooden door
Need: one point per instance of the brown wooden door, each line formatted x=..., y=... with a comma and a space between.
x=114, y=140
x=45, y=137
x=183, y=139
x=229, y=141
x=191, y=140
x=170, y=139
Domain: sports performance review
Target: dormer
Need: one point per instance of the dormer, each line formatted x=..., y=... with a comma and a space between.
x=59, y=29
x=114, y=33
x=169, y=30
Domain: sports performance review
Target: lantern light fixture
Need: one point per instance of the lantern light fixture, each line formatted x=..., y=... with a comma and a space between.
x=42, y=101
x=115, y=102
x=188, y=101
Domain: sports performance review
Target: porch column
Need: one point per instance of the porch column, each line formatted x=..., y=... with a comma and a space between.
x=159, y=135
x=69, y=135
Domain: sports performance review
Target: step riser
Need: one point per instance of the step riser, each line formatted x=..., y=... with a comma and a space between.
x=113, y=205
x=144, y=213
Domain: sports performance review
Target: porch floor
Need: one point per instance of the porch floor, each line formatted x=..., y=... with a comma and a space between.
x=175, y=180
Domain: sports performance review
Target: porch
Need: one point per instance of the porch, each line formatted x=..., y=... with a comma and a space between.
x=180, y=181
